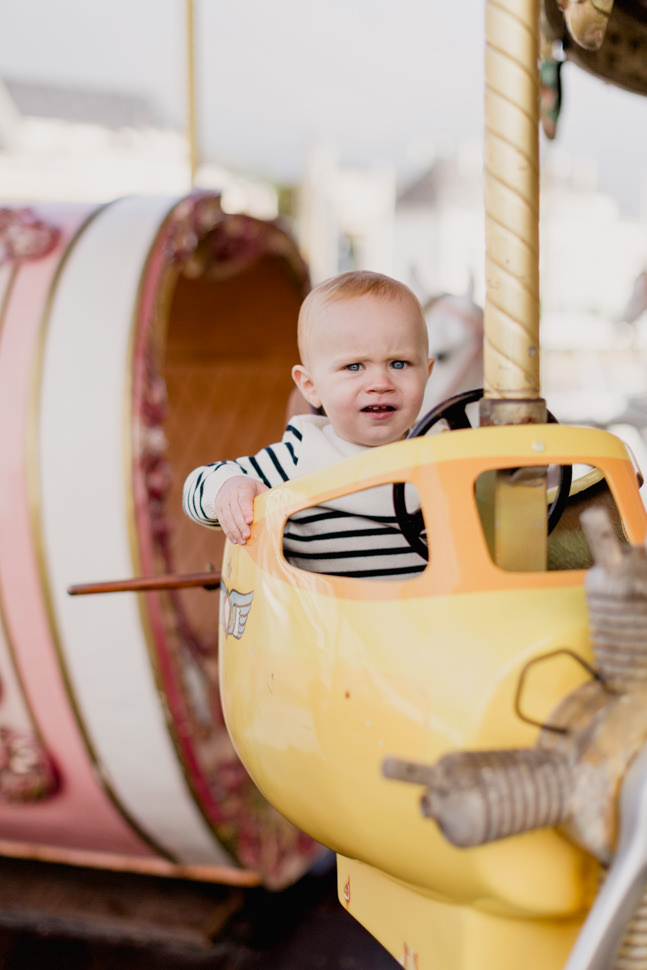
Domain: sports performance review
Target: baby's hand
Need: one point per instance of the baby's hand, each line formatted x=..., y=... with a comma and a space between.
x=234, y=507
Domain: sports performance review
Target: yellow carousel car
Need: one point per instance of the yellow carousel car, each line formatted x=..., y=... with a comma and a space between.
x=324, y=679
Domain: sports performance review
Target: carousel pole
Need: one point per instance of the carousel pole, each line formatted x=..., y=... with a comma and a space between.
x=192, y=136
x=517, y=531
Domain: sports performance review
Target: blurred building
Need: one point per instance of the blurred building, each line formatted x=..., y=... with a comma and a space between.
x=345, y=215
x=60, y=143
x=591, y=250
x=431, y=233
x=71, y=144
x=439, y=227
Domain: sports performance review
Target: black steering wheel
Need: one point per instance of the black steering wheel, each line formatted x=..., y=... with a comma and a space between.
x=454, y=412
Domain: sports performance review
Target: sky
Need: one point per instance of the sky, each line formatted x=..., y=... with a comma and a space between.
x=378, y=81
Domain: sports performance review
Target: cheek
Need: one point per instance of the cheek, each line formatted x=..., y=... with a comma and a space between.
x=339, y=393
x=419, y=383
x=414, y=392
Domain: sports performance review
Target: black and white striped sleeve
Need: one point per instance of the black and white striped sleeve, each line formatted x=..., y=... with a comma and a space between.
x=272, y=466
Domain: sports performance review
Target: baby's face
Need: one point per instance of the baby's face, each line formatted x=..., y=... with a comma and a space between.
x=367, y=358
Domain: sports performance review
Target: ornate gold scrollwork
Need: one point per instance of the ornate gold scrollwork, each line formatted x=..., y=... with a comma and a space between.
x=587, y=21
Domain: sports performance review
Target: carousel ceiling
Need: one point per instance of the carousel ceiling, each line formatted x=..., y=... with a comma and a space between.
x=606, y=38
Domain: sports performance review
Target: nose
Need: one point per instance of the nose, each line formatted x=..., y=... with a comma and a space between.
x=380, y=380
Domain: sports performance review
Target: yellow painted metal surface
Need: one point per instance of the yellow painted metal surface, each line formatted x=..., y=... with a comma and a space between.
x=324, y=677
x=516, y=528
x=430, y=934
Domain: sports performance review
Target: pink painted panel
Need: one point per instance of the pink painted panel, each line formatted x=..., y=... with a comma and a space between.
x=79, y=814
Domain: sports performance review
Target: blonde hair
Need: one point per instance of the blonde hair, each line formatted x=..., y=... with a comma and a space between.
x=350, y=286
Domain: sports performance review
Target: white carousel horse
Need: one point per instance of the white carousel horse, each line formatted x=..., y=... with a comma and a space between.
x=637, y=302
x=455, y=325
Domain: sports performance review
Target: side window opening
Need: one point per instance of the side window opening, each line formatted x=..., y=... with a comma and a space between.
x=567, y=546
x=356, y=536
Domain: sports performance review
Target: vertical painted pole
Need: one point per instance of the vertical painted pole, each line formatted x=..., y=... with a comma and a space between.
x=517, y=531
x=511, y=349
x=191, y=111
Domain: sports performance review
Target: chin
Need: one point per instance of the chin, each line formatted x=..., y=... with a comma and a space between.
x=384, y=439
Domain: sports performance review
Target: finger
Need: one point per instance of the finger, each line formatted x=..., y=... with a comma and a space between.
x=229, y=524
x=247, y=508
x=240, y=522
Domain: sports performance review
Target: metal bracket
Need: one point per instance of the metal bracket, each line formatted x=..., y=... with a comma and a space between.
x=618, y=899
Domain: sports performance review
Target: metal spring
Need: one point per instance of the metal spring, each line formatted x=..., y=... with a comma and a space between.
x=477, y=797
x=619, y=635
x=632, y=954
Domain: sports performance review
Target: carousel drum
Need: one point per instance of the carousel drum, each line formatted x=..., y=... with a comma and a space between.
x=137, y=340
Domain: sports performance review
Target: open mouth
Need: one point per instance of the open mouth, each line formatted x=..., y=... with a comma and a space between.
x=378, y=408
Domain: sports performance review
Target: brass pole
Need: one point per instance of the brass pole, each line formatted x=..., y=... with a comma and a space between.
x=191, y=111
x=516, y=520
x=511, y=318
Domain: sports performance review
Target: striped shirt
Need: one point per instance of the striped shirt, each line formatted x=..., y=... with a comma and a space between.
x=354, y=535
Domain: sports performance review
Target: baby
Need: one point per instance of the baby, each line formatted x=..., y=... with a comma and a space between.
x=364, y=362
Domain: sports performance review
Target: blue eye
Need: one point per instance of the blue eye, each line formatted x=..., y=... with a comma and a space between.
x=398, y=364
x=353, y=367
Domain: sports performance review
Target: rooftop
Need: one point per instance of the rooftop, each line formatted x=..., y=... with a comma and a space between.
x=110, y=109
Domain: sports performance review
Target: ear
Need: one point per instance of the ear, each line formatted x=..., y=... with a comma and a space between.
x=305, y=384
x=430, y=363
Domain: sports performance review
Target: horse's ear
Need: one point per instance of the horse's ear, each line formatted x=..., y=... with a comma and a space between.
x=637, y=302
x=455, y=325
